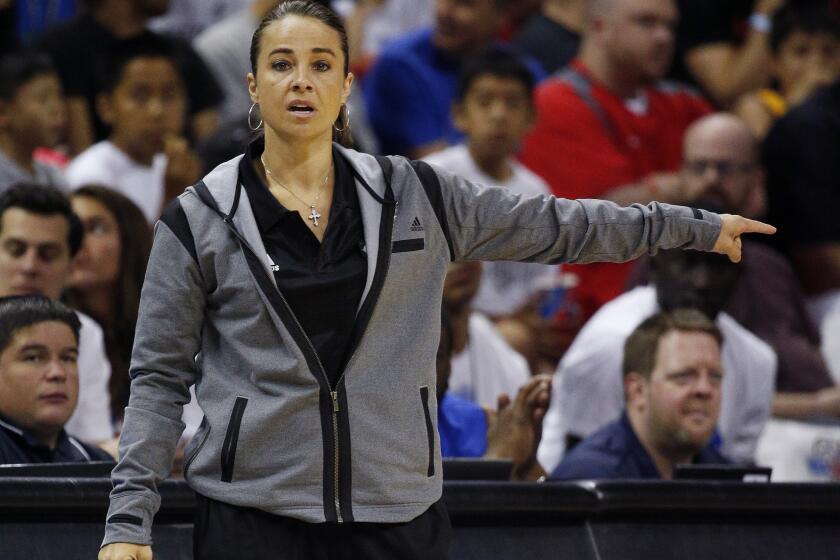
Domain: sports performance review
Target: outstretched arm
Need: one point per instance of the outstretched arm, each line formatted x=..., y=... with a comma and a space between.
x=491, y=223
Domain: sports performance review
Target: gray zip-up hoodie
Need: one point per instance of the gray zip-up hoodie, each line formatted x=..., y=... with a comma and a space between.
x=276, y=436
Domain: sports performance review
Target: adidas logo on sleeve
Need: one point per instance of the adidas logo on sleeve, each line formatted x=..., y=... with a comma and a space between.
x=416, y=225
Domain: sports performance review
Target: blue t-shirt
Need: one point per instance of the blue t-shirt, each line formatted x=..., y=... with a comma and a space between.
x=614, y=452
x=462, y=426
x=409, y=93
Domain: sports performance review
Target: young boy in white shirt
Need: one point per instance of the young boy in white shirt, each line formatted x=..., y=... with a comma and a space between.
x=494, y=108
x=145, y=156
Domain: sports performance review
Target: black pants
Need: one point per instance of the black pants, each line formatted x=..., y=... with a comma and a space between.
x=223, y=531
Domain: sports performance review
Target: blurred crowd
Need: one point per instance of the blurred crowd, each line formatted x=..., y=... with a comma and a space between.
x=111, y=108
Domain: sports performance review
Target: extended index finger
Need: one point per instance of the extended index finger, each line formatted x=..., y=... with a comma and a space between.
x=754, y=226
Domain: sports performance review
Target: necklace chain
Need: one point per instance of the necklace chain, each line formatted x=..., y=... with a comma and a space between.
x=313, y=213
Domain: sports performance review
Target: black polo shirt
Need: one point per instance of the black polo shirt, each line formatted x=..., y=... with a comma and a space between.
x=323, y=281
x=17, y=446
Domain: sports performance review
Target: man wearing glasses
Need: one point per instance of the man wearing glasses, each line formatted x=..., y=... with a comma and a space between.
x=721, y=164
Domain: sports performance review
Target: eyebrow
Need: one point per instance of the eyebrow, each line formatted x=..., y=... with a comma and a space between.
x=693, y=371
x=27, y=242
x=38, y=347
x=286, y=50
x=43, y=348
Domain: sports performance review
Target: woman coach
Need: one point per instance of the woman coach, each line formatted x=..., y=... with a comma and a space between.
x=298, y=287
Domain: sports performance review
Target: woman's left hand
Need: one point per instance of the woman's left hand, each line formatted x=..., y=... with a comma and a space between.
x=729, y=240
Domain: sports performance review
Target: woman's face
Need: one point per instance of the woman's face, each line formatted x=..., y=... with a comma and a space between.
x=97, y=264
x=300, y=83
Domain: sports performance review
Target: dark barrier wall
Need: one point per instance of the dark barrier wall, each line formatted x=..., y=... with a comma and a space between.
x=47, y=518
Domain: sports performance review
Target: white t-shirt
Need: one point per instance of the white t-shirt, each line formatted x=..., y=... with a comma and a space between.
x=91, y=421
x=487, y=367
x=505, y=286
x=588, y=390
x=105, y=164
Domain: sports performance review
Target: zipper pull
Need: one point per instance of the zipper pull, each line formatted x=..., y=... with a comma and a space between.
x=334, y=395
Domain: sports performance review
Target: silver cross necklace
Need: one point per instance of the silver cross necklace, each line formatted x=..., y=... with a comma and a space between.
x=313, y=213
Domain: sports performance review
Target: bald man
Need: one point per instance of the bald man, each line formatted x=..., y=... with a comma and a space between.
x=721, y=164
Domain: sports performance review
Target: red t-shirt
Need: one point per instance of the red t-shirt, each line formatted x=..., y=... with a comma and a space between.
x=583, y=155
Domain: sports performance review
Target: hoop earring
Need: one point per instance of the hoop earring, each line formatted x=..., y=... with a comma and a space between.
x=346, y=119
x=250, y=119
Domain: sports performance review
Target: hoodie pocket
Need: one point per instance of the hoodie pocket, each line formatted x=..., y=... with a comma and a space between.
x=232, y=438
x=430, y=430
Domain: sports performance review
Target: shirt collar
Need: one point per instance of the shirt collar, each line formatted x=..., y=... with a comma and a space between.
x=637, y=451
x=29, y=438
x=267, y=210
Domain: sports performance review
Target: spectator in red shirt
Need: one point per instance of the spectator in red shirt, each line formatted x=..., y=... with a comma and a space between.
x=608, y=127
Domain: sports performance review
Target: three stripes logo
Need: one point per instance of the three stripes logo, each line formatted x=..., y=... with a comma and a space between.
x=416, y=225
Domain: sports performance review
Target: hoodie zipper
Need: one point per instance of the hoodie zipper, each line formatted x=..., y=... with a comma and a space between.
x=334, y=395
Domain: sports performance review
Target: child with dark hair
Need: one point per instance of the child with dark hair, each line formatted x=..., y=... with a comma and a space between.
x=146, y=158
x=31, y=116
x=82, y=46
x=805, y=41
x=494, y=108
